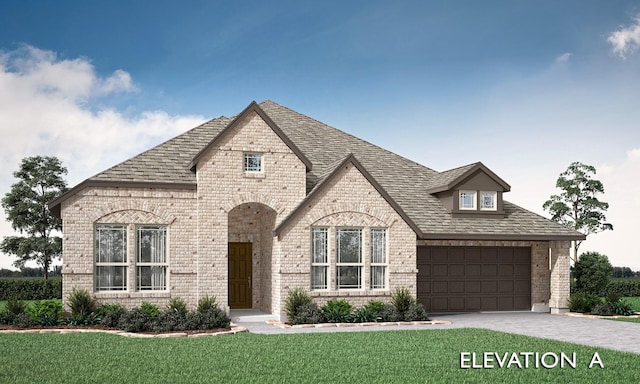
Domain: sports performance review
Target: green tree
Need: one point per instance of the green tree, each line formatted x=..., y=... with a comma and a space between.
x=39, y=181
x=592, y=272
x=578, y=207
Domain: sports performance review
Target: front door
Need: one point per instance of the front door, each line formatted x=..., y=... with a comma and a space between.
x=240, y=275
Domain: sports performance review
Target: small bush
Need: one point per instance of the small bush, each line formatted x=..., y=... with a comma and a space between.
x=402, y=299
x=308, y=314
x=582, y=302
x=81, y=303
x=207, y=303
x=23, y=321
x=15, y=306
x=602, y=309
x=6, y=317
x=613, y=297
x=136, y=320
x=179, y=306
x=150, y=309
x=416, y=312
x=621, y=307
x=296, y=298
x=211, y=319
x=592, y=272
x=337, y=311
x=365, y=314
x=170, y=320
x=111, y=314
x=374, y=306
x=390, y=313
x=91, y=319
x=45, y=312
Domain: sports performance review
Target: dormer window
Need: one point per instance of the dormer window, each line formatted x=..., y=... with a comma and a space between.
x=467, y=200
x=488, y=201
x=253, y=162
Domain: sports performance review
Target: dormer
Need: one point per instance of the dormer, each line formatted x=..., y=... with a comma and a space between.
x=471, y=191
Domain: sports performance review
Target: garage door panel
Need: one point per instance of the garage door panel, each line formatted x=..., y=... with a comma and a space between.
x=474, y=278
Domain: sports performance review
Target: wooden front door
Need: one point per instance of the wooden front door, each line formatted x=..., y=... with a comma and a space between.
x=240, y=275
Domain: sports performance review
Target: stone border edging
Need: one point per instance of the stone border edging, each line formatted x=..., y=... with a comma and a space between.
x=234, y=329
x=578, y=314
x=281, y=324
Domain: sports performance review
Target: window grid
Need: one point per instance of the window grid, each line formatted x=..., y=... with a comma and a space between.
x=151, y=261
x=253, y=162
x=110, y=258
x=378, y=258
x=349, y=258
x=488, y=201
x=319, y=258
x=467, y=200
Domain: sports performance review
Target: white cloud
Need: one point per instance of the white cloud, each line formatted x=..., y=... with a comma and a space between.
x=626, y=40
x=563, y=58
x=45, y=109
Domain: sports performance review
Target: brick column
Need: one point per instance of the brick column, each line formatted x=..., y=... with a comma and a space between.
x=560, y=265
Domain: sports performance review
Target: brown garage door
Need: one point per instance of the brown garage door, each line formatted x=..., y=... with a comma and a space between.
x=467, y=279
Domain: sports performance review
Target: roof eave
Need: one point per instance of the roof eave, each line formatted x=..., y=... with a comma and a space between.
x=498, y=237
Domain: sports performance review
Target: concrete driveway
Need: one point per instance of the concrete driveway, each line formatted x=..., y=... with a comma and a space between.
x=616, y=335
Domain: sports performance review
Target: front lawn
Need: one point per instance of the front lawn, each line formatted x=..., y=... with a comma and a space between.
x=363, y=357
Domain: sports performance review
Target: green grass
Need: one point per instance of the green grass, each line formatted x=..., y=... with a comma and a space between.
x=416, y=356
x=625, y=319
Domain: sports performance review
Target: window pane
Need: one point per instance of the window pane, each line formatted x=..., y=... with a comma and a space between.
x=152, y=278
x=319, y=240
x=151, y=244
x=487, y=201
x=467, y=200
x=318, y=277
x=348, y=277
x=349, y=241
x=378, y=277
x=378, y=245
x=111, y=244
x=111, y=278
x=253, y=162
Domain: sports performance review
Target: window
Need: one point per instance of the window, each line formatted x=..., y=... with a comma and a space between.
x=253, y=162
x=488, y=201
x=111, y=258
x=378, y=258
x=467, y=200
x=319, y=258
x=349, y=258
x=151, y=263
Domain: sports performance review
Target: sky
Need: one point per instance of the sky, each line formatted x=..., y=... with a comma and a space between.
x=527, y=88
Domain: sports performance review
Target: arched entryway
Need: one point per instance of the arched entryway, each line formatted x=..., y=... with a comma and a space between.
x=250, y=235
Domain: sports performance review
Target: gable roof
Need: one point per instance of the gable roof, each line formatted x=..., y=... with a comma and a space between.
x=323, y=149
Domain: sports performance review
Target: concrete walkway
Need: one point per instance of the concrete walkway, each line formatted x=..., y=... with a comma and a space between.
x=610, y=334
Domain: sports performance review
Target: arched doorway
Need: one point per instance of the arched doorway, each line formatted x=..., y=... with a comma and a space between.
x=250, y=235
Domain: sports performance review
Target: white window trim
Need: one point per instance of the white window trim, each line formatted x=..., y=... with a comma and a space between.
x=245, y=156
x=124, y=263
x=324, y=264
x=360, y=264
x=164, y=264
x=384, y=265
x=495, y=200
x=475, y=200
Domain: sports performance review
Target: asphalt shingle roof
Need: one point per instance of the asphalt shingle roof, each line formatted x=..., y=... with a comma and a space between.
x=405, y=181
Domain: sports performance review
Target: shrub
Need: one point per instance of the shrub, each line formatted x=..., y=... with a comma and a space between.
x=178, y=305
x=593, y=272
x=136, y=320
x=613, y=297
x=81, y=303
x=211, y=319
x=582, y=302
x=23, y=321
x=602, y=309
x=375, y=306
x=337, y=311
x=626, y=287
x=390, y=313
x=6, y=317
x=15, y=306
x=170, y=320
x=416, y=312
x=296, y=298
x=366, y=314
x=402, y=299
x=621, y=307
x=111, y=314
x=151, y=310
x=308, y=314
x=45, y=312
x=90, y=319
x=31, y=289
x=207, y=303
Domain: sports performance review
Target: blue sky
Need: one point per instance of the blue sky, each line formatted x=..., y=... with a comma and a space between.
x=525, y=87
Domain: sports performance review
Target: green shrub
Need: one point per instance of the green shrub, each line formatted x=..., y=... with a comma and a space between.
x=92, y=318
x=625, y=287
x=150, y=309
x=365, y=314
x=111, y=314
x=296, y=298
x=136, y=320
x=6, y=317
x=15, y=306
x=179, y=306
x=337, y=311
x=23, y=321
x=602, y=309
x=374, y=306
x=170, y=320
x=212, y=319
x=622, y=307
x=402, y=299
x=592, y=272
x=31, y=289
x=81, y=303
x=390, y=313
x=582, y=302
x=416, y=312
x=308, y=314
x=45, y=312
x=207, y=303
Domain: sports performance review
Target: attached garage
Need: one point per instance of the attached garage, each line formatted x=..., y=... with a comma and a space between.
x=469, y=279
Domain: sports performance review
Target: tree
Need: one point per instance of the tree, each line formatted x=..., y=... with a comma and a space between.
x=39, y=181
x=592, y=272
x=578, y=207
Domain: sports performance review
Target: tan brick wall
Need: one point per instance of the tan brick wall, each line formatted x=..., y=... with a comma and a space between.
x=348, y=201
x=560, y=268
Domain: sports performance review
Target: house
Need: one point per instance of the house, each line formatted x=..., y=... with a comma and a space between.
x=248, y=207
